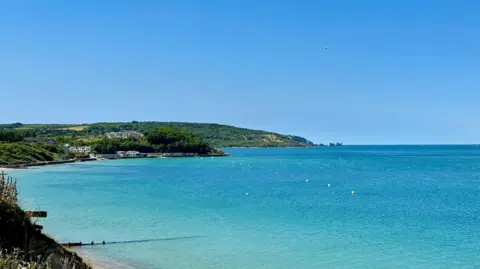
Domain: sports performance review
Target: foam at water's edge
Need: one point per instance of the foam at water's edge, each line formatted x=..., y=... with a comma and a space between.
x=101, y=262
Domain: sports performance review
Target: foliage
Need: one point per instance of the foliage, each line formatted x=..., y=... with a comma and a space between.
x=8, y=189
x=162, y=139
x=21, y=242
x=168, y=139
x=48, y=147
x=216, y=135
x=22, y=245
x=11, y=125
x=15, y=135
x=16, y=260
x=76, y=140
x=111, y=146
x=70, y=155
x=21, y=153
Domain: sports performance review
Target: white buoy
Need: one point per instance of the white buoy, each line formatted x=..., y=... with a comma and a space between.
x=306, y=180
x=246, y=194
x=353, y=192
x=329, y=185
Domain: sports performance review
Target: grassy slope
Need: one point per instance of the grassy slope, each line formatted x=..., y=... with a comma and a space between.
x=216, y=134
x=75, y=128
x=18, y=153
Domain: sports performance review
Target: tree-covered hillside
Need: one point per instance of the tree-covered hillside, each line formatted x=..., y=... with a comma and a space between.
x=22, y=153
x=20, y=146
x=160, y=140
x=216, y=134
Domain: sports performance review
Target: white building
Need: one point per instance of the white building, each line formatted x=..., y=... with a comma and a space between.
x=114, y=135
x=77, y=149
x=124, y=134
x=84, y=149
x=106, y=156
x=130, y=154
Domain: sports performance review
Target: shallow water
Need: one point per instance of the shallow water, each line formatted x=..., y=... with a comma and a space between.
x=414, y=207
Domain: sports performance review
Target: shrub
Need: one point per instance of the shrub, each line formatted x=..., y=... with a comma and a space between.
x=16, y=260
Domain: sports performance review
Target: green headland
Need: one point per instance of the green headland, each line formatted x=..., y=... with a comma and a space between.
x=37, y=143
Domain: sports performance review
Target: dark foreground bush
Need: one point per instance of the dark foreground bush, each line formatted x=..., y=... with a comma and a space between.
x=21, y=241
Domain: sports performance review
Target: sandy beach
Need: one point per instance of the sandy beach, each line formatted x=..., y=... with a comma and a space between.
x=11, y=169
x=97, y=262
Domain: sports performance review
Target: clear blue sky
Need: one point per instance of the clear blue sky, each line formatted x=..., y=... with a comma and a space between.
x=395, y=71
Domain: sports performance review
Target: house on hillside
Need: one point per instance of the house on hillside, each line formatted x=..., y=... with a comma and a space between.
x=124, y=134
x=45, y=140
x=77, y=149
x=133, y=134
x=84, y=149
x=114, y=135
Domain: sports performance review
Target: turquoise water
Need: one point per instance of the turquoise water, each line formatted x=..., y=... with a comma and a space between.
x=414, y=207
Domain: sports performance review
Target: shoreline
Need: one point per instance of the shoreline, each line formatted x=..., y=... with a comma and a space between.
x=49, y=163
x=97, y=262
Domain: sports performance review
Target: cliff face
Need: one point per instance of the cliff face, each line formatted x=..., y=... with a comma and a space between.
x=18, y=233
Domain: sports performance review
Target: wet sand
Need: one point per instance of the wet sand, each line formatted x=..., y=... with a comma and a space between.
x=98, y=262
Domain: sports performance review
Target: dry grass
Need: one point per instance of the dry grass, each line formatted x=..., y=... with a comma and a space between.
x=75, y=128
x=16, y=260
x=8, y=189
x=272, y=138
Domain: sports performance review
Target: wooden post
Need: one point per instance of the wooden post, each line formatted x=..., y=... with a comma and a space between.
x=36, y=214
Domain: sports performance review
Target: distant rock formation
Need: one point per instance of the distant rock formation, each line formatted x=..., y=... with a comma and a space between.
x=337, y=144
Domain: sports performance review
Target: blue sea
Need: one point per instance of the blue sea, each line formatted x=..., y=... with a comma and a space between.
x=413, y=207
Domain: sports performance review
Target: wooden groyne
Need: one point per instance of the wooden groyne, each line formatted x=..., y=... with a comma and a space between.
x=43, y=214
x=92, y=243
